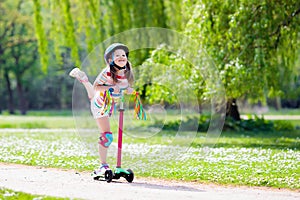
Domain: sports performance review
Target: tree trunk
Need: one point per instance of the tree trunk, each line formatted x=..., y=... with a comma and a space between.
x=21, y=97
x=232, y=110
x=278, y=103
x=10, y=104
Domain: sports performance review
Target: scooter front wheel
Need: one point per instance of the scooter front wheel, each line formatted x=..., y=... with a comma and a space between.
x=129, y=177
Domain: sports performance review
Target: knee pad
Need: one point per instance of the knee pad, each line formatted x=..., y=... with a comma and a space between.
x=106, y=139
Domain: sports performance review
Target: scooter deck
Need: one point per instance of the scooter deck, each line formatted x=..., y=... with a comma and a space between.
x=117, y=174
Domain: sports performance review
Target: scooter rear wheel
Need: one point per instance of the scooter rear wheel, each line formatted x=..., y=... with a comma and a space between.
x=108, y=175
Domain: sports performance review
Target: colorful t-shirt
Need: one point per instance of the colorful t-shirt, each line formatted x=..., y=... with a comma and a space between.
x=104, y=78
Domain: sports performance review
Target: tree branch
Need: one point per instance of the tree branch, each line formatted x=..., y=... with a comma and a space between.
x=285, y=23
x=14, y=43
x=7, y=28
x=34, y=57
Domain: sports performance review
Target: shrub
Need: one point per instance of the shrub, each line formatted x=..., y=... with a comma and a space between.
x=281, y=125
x=253, y=124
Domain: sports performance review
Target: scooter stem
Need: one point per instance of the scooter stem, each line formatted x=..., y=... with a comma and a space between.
x=120, y=134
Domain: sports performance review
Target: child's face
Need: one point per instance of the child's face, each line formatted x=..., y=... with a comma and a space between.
x=120, y=57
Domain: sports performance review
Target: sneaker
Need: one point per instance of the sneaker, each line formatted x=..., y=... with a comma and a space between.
x=101, y=170
x=79, y=75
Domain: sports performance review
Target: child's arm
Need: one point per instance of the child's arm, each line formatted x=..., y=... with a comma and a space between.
x=102, y=88
x=101, y=83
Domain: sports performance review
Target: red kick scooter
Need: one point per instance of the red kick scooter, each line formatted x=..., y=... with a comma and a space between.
x=119, y=171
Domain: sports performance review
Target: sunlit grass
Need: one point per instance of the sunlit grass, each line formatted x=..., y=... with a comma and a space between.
x=8, y=194
x=271, y=111
x=84, y=119
x=31, y=122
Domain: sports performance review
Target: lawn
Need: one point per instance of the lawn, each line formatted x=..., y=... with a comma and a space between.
x=33, y=122
x=271, y=111
x=253, y=159
x=7, y=194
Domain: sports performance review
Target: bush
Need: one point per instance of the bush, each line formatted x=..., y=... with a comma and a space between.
x=281, y=125
x=253, y=124
x=188, y=124
x=257, y=124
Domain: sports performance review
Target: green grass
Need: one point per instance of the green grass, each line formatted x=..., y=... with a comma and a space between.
x=84, y=121
x=263, y=140
x=7, y=194
x=30, y=122
x=42, y=113
x=263, y=159
x=284, y=111
x=244, y=111
x=245, y=158
x=272, y=111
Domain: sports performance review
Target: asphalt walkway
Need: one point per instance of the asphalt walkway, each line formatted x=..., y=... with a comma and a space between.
x=72, y=184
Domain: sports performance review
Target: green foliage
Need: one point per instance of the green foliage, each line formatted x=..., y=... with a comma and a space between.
x=18, y=50
x=283, y=125
x=41, y=36
x=82, y=25
x=8, y=194
x=253, y=43
x=189, y=122
x=70, y=32
x=168, y=77
x=255, y=124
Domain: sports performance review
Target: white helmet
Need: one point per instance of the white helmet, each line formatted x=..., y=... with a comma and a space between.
x=109, y=50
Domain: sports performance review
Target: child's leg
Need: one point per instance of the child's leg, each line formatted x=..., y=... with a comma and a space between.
x=89, y=89
x=82, y=77
x=106, y=137
x=104, y=126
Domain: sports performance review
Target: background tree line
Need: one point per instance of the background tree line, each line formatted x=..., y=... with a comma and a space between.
x=254, y=45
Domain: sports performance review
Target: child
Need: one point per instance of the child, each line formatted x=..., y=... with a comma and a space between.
x=117, y=75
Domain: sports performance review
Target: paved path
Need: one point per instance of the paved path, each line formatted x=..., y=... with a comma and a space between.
x=69, y=183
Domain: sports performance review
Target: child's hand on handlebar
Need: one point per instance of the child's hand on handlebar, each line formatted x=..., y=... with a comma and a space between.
x=116, y=89
x=129, y=90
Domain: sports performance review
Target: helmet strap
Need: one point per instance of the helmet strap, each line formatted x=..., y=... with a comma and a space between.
x=113, y=64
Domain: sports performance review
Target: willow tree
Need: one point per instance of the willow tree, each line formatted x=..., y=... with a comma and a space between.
x=59, y=24
x=79, y=26
x=253, y=43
